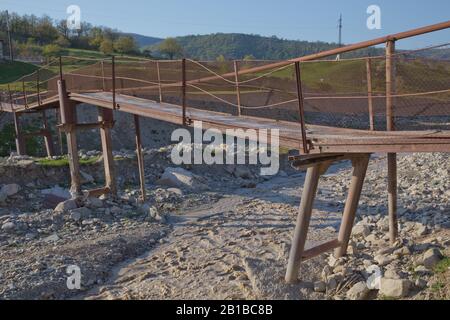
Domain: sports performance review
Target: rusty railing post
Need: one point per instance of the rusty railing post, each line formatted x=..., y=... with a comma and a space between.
x=25, y=98
x=113, y=64
x=103, y=75
x=158, y=72
x=38, y=89
x=183, y=89
x=11, y=102
x=238, y=90
x=369, y=94
x=140, y=157
x=390, y=126
x=301, y=109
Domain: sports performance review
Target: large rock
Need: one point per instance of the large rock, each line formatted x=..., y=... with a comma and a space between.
x=10, y=189
x=181, y=178
x=361, y=229
x=57, y=191
x=359, y=291
x=67, y=205
x=430, y=258
x=394, y=288
x=8, y=226
x=80, y=213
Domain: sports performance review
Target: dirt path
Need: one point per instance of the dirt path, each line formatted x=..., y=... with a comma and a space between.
x=236, y=248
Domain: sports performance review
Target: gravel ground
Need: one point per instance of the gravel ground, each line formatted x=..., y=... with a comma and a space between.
x=230, y=238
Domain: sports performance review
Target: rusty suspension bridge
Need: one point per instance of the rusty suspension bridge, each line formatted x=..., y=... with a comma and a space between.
x=395, y=102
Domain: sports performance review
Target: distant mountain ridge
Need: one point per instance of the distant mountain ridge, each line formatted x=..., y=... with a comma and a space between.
x=141, y=40
x=238, y=45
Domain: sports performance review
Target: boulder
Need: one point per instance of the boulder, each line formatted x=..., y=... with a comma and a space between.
x=359, y=291
x=10, y=189
x=8, y=226
x=80, y=213
x=181, y=178
x=67, y=205
x=430, y=258
x=395, y=288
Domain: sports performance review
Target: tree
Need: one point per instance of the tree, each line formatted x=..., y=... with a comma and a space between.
x=107, y=47
x=222, y=64
x=62, y=42
x=125, y=45
x=51, y=50
x=171, y=48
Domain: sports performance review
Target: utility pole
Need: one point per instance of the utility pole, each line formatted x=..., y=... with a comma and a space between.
x=338, y=57
x=8, y=27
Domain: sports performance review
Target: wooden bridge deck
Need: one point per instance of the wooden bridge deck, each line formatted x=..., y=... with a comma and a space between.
x=322, y=139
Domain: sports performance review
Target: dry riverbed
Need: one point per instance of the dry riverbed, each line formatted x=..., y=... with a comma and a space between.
x=226, y=235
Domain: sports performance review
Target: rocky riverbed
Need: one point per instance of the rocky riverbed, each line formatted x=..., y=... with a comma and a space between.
x=222, y=232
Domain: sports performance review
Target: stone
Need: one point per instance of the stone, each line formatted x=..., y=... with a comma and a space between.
x=359, y=291
x=430, y=258
x=79, y=213
x=176, y=191
x=242, y=172
x=8, y=226
x=394, y=288
x=383, y=260
x=420, y=283
x=420, y=229
x=94, y=202
x=57, y=191
x=116, y=210
x=181, y=178
x=67, y=205
x=320, y=286
x=10, y=189
x=86, y=177
x=361, y=229
x=52, y=238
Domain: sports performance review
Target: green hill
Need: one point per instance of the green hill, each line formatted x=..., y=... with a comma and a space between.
x=10, y=71
x=237, y=46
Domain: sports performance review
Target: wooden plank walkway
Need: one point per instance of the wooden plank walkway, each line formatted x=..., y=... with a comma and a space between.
x=321, y=139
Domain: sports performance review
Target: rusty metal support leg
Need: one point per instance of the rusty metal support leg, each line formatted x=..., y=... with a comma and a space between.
x=390, y=126
x=69, y=118
x=303, y=219
x=48, y=136
x=392, y=197
x=20, y=141
x=140, y=157
x=106, y=116
x=359, y=173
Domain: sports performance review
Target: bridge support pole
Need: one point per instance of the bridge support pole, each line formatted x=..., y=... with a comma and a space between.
x=316, y=167
x=391, y=157
x=140, y=157
x=303, y=219
x=20, y=140
x=107, y=118
x=47, y=136
x=68, y=123
x=351, y=204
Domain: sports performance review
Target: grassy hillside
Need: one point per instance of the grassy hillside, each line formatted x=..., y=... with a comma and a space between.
x=10, y=71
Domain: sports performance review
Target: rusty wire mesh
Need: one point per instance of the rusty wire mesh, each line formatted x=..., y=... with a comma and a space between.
x=344, y=93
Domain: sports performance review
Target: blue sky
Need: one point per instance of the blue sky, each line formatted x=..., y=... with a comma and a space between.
x=290, y=19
